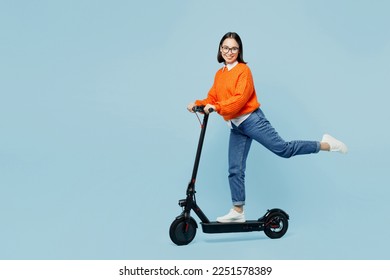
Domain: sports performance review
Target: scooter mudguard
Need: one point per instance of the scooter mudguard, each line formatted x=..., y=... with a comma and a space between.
x=270, y=211
x=182, y=217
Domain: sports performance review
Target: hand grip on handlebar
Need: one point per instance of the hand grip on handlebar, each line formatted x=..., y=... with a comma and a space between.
x=200, y=109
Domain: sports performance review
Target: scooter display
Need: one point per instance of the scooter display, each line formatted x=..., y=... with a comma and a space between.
x=182, y=231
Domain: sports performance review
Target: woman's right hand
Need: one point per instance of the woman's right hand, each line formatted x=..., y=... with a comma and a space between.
x=191, y=106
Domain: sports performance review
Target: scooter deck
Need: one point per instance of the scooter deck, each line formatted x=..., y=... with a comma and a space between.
x=249, y=225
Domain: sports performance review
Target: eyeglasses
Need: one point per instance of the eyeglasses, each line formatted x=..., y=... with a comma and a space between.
x=226, y=49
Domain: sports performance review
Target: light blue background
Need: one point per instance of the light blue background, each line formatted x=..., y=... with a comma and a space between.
x=96, y=145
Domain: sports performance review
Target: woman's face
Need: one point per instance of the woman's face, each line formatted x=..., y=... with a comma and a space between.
x=229, y=50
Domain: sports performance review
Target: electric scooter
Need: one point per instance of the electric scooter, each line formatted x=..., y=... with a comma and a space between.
x=182, y=231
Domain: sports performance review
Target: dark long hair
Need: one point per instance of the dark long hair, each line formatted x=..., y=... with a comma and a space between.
x=234, y=36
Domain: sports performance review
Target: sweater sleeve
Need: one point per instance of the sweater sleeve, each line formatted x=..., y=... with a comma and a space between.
x=243, y=91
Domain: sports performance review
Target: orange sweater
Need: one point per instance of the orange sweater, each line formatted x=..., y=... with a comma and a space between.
x=233, y=93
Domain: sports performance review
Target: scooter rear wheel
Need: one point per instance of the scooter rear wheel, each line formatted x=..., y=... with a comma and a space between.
x=182, y=232
x=276, y=225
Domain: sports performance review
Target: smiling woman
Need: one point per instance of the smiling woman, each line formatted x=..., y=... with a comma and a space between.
x=233, y=96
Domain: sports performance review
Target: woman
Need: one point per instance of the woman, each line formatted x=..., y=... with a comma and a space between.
x=233, y=96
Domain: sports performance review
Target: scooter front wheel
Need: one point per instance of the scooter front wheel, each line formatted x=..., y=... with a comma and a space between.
x=276, y=225
x=182, y=231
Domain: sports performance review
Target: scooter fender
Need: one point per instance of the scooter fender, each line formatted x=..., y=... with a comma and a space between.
x=182, y=216
x=270, y=211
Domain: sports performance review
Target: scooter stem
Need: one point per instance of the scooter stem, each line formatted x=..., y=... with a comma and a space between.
x=199, y=151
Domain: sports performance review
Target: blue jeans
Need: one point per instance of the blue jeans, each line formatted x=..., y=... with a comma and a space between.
x=257, y=127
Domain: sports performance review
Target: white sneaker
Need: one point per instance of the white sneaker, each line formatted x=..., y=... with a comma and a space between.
x=335, y=145
x=232, y=217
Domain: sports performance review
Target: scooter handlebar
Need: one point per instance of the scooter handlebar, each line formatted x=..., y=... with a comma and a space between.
x=200, y=109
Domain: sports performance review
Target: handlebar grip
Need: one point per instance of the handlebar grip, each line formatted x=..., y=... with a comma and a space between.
x=200, y=109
